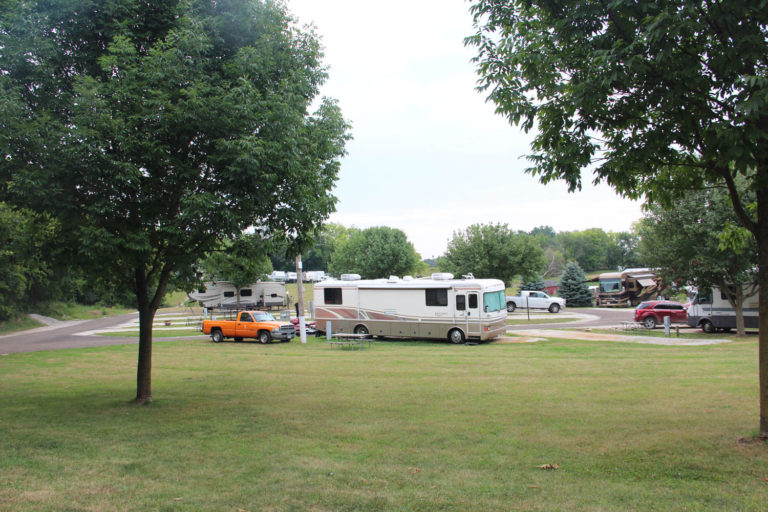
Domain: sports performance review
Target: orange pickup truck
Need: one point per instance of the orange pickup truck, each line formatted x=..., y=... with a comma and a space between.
x=249, y=324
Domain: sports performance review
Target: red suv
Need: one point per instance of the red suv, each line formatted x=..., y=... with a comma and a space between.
x=652, y=312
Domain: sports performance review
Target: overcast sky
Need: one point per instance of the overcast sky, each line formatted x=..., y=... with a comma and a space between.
x=429, y=155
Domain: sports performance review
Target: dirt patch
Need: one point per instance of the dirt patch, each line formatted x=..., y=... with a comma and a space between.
x=517, y=339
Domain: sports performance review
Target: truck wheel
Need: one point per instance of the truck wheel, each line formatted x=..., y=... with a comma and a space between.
x=707, y=327
x=456, y=336
x=510, y=307
x=264, y=337
x=217, y=336
x=649, y=322
x=554, y=308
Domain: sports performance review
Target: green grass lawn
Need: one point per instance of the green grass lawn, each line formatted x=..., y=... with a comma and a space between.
x=397, y=426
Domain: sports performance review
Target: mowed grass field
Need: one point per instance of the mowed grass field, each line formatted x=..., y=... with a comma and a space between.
x=397, y=426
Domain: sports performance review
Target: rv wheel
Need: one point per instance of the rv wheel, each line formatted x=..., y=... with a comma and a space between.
x=456, y=336
x=707, y=327
x=361, y=329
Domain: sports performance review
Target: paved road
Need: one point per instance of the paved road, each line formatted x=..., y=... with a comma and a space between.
x=583, y=317
x=60, y=335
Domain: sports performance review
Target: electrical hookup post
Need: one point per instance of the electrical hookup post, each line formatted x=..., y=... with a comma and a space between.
x=300, y=305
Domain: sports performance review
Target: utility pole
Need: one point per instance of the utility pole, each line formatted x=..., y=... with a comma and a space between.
x=300, y=306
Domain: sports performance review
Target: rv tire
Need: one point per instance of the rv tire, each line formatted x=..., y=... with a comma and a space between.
x=217, y=336
x=510, y=307
x=707, y=327
x=456, y=336
x=361, y=329
x=264, y=337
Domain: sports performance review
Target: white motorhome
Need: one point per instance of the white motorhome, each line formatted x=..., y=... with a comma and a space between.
x=224, y=295
x=711, y=311
x=437, y=307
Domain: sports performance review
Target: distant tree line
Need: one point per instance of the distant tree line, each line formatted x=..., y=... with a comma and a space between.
x=32, y=274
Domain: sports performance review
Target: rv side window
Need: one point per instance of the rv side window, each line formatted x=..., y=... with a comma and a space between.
x=461, y=303
x=229, y=294
x=472, y=301
x=246, y=292
x=437, y=297
x=332, y=295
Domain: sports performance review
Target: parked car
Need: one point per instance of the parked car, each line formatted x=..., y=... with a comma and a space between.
x=310, y=326
x=651, y=313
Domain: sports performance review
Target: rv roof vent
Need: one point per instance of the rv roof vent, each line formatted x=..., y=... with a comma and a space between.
x=407, y=278
x=468, y=276
x=393, y=279
x=442, y=276
x=350, y=277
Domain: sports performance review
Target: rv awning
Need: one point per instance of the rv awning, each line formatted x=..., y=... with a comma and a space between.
x=646, y=282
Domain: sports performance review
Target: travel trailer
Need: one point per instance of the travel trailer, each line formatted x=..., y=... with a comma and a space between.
x=711, y=311
x=628, y=288
x=438, y=307
x=224, y=295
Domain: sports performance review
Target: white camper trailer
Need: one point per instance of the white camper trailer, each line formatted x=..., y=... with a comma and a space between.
x=711, y=311
x=438, y=307
x=224, y=295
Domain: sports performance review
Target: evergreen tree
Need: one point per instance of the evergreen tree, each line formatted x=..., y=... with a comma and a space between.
x=536, y=285
x=573, y=287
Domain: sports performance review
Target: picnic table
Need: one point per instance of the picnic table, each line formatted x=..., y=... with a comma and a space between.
x=350, y=340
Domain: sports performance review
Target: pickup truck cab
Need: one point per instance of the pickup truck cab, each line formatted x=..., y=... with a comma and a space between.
x=535, y=300
x=249, y=324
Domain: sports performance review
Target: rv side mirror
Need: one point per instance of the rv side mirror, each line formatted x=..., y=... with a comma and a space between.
x=485, y=308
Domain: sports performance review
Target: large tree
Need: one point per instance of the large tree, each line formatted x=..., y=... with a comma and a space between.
x=152, y=130
x=685, y=241
x=375, y=252
x=493, y=251
x=654, y=98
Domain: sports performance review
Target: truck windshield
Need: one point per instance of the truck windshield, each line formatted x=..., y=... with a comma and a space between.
x=494, y=301
x=263, y=317
x=610, y=285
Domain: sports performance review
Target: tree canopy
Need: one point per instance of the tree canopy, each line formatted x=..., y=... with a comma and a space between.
x=654, y=98
x=152, y=130
x=688, y=244
x=493, y=251
x=374, y=253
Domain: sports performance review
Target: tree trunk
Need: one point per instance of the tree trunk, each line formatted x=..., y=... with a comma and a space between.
x=762, y=249
x=738, y=299
x=147, y=309
x=144, y=368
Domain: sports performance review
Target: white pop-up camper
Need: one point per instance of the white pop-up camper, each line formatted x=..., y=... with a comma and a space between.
x=438, y=307
x=224, y=295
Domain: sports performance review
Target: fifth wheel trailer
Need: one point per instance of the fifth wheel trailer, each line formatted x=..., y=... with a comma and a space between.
x=224, y=295
x=438, y=307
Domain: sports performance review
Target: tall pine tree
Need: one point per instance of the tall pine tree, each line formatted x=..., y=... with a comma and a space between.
x=573, y=287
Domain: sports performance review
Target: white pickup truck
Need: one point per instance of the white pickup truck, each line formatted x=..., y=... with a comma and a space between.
x=535, y=300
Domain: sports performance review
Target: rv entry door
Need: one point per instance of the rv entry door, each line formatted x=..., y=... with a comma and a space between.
x=468, y=312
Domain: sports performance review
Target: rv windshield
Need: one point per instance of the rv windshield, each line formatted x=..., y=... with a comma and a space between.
x=494, y=301
x=610, y=285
